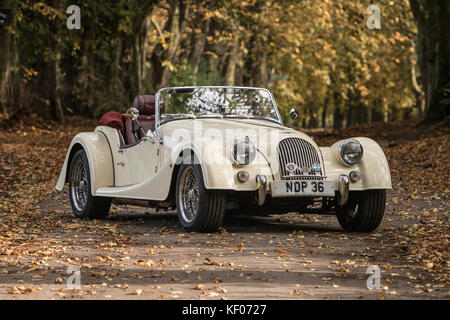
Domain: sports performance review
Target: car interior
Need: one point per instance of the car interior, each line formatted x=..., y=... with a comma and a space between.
x=132, y=131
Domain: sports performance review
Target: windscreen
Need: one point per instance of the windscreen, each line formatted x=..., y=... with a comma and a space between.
x=222, y=102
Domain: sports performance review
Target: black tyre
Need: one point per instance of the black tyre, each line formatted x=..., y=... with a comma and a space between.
x=84, y=204
x=363, y=212
x=198, y=209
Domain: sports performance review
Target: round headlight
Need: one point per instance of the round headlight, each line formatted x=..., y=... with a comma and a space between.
x=243, y=152
x=351, y=151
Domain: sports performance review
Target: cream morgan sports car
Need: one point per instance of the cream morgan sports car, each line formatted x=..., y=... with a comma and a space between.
x=211, y=151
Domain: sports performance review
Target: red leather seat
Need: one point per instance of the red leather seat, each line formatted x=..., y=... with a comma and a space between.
x=146, y=106
x=112, y=119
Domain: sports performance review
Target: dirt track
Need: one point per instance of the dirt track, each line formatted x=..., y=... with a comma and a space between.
x=139, y=254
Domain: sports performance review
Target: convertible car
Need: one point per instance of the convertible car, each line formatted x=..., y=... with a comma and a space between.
x=211, y=151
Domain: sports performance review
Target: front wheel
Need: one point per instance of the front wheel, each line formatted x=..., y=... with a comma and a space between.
x=363, y=211
x=84, y=204
x=198, y=209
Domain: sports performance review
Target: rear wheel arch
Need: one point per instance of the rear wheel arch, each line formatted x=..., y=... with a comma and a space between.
x=75, y=148
x=93, y=207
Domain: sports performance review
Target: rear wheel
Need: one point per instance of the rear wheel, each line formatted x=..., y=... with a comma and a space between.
x=84, y=204
x=198, y=209
x=363, y=211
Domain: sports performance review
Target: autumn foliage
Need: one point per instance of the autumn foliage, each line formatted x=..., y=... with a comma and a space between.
x=317, y=56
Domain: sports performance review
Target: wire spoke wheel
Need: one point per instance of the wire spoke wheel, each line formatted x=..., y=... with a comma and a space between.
x=80, y=185
x=189, y=194
x=84, y=204
x=199, y=209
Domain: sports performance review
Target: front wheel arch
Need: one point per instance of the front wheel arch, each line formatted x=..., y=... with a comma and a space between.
x=75, y=148
x=176, y=168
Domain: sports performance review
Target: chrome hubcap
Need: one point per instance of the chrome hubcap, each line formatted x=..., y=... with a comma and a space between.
x=188, y=195
x=79, y=184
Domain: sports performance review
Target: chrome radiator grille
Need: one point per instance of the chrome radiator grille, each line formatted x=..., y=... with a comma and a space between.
x=302, y=154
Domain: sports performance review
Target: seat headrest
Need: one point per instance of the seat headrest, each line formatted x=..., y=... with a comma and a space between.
x=145, y=104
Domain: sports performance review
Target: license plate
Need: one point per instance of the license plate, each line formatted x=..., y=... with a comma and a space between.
x=301, y=188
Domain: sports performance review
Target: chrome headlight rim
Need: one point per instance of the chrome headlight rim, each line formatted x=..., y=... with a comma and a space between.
x=342, y=156
x=247, y=159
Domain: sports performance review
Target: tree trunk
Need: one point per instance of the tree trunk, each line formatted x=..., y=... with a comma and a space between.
x=312, y=123
x=219, y=63
x=369, y=114
x=58, y=78
x=360, y=113
x=420, y=94
x=55, y=72
x=8, y=60
x=138, y=42
x=263, y=79
x=177, y=27
x=433, y=19
x=325, y=111
x=232, y=61
x=350, y=119
x=198, y=49
x=385, y=112
x=116, y=86
x=139, y=46
x=5, y=61
x=338, y=115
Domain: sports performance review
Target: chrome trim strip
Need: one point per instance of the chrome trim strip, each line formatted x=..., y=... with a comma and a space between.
x=304, y=176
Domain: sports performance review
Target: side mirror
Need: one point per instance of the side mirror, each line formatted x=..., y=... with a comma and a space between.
x=133, y=113
x=294, y=114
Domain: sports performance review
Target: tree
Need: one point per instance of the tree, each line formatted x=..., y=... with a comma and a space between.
x=316, y=56
x=8, y=62
x=433, y=20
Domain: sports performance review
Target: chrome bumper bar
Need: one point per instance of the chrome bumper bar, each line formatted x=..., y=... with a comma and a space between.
x=261, y=182
x=343, y=190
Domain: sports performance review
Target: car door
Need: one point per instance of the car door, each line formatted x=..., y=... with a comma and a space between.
x=137, y=163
